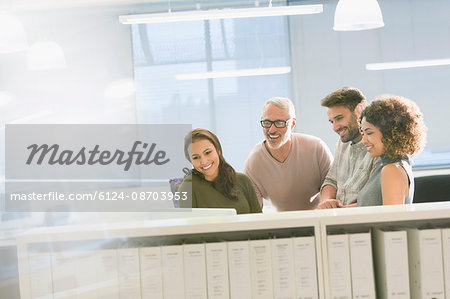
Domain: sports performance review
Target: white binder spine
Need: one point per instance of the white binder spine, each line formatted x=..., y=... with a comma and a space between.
x=217, y=270
x=41, y=283
x=63, y=274
x=239, y=269
x=151, y=272
x=339, y=266
x=425, y=263
x=283, y=268
x=391, y=268
x=361, y=261
x=305, y=267
x=195, y=271
x=86, y=278
x=261, y=269
x=129, y=273
x=173, y=271
x=446, y=258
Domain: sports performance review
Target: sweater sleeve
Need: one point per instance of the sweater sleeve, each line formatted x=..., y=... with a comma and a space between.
x=331, y=177
x=250, y=194
x=325, y=157
x=248, y=172
x=186, y=186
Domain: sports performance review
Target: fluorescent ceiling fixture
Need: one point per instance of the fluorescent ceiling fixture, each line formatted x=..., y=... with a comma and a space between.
x=405, y=64
x=235, y=73
x=354, y=15
x=196, y=15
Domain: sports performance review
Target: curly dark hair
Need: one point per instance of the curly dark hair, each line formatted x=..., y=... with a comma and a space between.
x=401, y=124
x=226, y=179
x=346, y=96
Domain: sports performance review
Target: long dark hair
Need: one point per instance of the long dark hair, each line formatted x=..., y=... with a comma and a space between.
x=226, y=179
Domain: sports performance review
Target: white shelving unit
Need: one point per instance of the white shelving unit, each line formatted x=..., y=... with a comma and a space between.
x=319, y=223
x=168, y=232
x=365, y=218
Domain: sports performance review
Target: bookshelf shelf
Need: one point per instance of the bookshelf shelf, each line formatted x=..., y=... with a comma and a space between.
x=163, y=232
x=319, y=223
x=368, y=218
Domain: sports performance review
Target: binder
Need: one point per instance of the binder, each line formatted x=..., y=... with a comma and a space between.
x=283, y=268
x=173, y=271
x=305, y=267
x=361, y=262
x=446, y=258
x=85, y=277
x=195, y=271
x=391, y=264
x=107, y=274
x=63, y=274
x=129, y=273
x=425, y=263
x=151, y=272
x=339, y=266
x=261, y=269
x=217, y=270
x=41, y=284
x=239, y=269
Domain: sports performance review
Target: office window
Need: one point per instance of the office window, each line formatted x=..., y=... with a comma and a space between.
x=230, y=107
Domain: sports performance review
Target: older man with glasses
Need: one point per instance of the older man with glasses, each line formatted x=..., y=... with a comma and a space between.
x=287, y=168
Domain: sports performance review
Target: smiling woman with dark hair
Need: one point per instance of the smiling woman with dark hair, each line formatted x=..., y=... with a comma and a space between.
x=393, y=129
x=215, y=184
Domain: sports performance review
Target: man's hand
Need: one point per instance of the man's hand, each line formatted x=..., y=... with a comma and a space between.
x=352, y=205
x=330, y=204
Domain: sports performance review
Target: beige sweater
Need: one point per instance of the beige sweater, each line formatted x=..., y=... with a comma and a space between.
x=293, y=184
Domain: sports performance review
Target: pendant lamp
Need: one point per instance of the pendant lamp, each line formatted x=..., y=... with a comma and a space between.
x=354, y=15
x=45, y=55
x=12, y=34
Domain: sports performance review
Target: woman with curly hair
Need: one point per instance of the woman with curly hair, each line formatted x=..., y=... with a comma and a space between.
x=393, y=129
x=215, y=184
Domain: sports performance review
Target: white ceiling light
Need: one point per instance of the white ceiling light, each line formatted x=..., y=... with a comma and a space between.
x=354, y=15
x=221, y=14
x=234, y=73
x=406, y=64
x=45, y=55
x=12, y=34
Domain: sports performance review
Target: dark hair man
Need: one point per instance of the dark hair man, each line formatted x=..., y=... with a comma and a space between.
x=352, y=163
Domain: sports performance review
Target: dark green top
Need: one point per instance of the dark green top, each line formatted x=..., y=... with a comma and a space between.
x=205, y=196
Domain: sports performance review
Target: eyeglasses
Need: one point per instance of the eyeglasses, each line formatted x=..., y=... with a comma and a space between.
x=278, y=123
